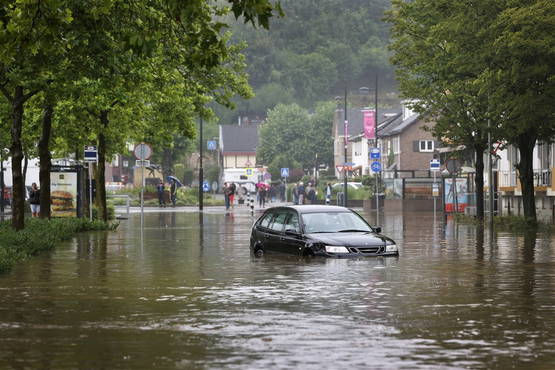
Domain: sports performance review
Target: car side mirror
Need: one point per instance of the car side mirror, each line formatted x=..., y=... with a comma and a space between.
x=378, y=229
x=292, y=232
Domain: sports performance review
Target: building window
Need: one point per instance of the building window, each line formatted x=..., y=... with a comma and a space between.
x=426, y=145
x=396, y=145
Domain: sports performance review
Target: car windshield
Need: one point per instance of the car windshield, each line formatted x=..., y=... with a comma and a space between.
x=333, y=222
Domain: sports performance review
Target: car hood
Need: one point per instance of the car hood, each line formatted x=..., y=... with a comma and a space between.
x=355, y=239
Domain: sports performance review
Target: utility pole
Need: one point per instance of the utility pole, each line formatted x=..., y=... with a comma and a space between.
x=200, y=171
x=345, y=134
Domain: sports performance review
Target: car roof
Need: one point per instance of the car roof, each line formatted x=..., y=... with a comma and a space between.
x=312, y=208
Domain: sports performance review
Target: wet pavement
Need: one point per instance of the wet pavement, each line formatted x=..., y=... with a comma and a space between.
x=180, y=295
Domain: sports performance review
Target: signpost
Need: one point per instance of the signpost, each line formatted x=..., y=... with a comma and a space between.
x=285, y=172
x=435, y=164
x=211, y=144
x=91, y=156
x=142, y=152
x=376, y=168
x=375, y=153
x=205, y=186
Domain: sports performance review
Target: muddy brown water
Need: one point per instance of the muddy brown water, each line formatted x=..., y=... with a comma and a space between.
x=180, y=295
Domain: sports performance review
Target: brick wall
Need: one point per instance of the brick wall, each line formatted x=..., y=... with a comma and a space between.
x=411, y=159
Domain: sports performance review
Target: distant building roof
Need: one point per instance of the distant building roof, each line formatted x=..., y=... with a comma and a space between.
x=355, y=119
x=399, y=125
x=239, y=138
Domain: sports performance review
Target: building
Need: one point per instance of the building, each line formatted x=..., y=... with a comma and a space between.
x=237, y=152
x=406, y=148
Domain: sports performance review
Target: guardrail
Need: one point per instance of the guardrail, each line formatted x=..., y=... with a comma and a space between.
x=125, y=196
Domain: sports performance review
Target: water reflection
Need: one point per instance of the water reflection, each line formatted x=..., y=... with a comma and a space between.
x=185, y=292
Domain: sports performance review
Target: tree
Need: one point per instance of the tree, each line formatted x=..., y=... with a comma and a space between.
x=304, y=138
x=521, y=76
x=471, y=64
x=437, y=64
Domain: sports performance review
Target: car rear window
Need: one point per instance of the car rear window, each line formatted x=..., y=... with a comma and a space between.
x=279, y=220
x=265, y=222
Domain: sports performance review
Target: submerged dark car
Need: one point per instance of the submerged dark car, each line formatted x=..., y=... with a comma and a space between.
x=318, y=231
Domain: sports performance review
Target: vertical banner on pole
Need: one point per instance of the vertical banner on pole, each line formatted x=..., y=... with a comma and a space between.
x=369, y=120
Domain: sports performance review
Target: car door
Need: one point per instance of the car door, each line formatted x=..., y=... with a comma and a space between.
x=276, y=232
x=292, y=239
x=262, y=230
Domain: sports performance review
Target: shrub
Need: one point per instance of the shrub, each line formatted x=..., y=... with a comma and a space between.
x=40, y=235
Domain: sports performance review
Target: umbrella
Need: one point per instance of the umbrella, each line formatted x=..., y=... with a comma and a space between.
x=173, y=178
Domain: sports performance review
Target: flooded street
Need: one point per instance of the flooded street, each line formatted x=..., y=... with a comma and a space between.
x=183, y=296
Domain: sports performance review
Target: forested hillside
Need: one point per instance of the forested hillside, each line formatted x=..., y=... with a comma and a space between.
x=313, y=52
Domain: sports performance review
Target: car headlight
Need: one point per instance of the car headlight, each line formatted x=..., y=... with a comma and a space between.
x=334, y=249
x=391, y=248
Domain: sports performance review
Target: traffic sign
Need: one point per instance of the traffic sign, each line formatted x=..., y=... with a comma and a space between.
x=142, y=151
x=375, y=153
x=249, y=171
x=376, y=166
x=142, y=163
x=435, y=190
x=285, y=172
x=205, y=186
x=434, y=165
x=339, y=168
x=211, y=144
x=90, y=155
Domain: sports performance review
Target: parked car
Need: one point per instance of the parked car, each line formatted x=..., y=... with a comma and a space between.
x=310, y=230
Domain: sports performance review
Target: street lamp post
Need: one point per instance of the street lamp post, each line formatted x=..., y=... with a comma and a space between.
x=365, y=91
x=345, y=135
x=200, y=170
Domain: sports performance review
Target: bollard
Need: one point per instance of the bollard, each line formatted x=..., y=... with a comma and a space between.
x=328, y=200
x=252, y=205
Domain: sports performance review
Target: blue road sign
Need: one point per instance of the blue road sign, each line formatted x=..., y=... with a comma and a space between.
x=376, y=166
x=434, y=165
x=205, y=186
x=285, y=172
x=211, y=144
x=375, y=153
x=249, y=171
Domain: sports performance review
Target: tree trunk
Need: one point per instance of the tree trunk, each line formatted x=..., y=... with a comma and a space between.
x=526, y=143
x=18, y=185
x=479, y=181
x=167, y=163
x=101, y=170
x=45, y=160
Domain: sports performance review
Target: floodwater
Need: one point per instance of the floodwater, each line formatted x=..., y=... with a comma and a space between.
x=184, y=296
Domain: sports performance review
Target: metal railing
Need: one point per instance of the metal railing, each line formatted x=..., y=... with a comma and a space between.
x=125, y=196
x=510, y=178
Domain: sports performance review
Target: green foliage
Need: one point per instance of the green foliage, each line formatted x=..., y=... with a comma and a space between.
x=212, y=174
x=40, y=235
x=292, y=136
x=314, y=51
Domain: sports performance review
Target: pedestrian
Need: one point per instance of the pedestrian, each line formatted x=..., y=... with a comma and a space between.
x=226, y=189
x=301, y=193
x=161, y=189
x=34, y=199
x=262, y=190
x=328, y=193
x=296, y=194
x=232, y=191
x=173, y=192
x=311, y=195
x=272, y=193
x=282, y=189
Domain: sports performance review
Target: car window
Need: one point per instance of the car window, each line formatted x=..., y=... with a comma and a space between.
x=333, y=222
x=279, y=221
x=293, y=222
x=265, y=222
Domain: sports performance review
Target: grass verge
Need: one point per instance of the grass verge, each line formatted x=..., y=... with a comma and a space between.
x=40, y=235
